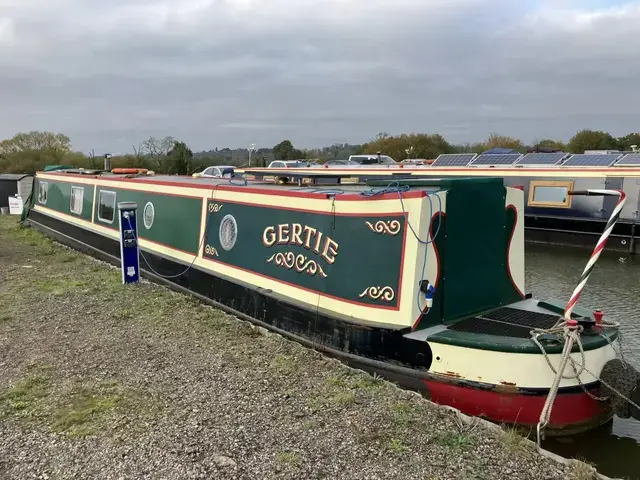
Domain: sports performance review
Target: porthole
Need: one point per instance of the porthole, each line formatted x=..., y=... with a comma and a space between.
x=228, y=233
x=148, y=215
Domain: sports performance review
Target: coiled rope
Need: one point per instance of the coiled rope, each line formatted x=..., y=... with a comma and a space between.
x=571, y=330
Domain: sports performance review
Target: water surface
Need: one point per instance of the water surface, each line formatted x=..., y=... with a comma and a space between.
x=614, y=287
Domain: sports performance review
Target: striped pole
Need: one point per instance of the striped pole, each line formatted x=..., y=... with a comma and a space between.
x=615, y=215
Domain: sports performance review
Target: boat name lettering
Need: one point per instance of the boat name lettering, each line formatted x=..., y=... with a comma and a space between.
x=303, y=236
x=214, y=207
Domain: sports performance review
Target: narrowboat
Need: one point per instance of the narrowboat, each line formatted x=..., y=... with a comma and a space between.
x=386, y=278
x=551, y=216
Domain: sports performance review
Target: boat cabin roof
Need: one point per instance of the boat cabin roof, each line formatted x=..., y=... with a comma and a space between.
x=314, y=183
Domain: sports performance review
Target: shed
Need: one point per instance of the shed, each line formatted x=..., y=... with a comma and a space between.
x=12, y=184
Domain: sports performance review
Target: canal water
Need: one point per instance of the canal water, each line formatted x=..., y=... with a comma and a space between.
x=614, y=287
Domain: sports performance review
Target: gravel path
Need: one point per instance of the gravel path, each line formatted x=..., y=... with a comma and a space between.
x=102, y=381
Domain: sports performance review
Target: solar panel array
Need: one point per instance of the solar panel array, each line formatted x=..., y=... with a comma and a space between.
x=496, y=159
x=589, y=160
x=541, y=158
x=601, y=160
x=630, y=160
x=453, y=160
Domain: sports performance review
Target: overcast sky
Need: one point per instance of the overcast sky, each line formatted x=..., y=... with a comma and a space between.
x=216, y=73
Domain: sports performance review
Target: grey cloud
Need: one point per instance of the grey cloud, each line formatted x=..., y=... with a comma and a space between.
x=213, y=75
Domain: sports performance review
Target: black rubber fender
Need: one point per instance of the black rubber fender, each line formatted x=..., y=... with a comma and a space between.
x=624, y=378
x=635, y=396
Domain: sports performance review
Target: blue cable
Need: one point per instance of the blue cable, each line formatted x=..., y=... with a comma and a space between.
x=391, y=188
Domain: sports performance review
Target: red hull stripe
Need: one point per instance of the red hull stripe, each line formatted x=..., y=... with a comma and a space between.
x=568, y=409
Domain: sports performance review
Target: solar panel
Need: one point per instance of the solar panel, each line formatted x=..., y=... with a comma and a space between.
x=453, y=160
x=630, y=160
x=590, y=160
x=541, y=158
x=496, y=159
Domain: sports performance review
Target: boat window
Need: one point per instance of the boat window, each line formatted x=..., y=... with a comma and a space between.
x=106, y=206
x=550, y=194
x=76, y=200
x=43, y=187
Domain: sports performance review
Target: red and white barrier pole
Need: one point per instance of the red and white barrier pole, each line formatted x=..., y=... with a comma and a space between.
x=615, y=215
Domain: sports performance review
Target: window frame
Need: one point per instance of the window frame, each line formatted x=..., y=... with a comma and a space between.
x=533, y=184
x=110, y=192
x=46, y=192
x=73, y=187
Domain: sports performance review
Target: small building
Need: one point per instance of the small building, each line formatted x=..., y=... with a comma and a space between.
x=15, y=184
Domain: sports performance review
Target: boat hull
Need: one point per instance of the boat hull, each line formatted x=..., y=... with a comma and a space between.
x=574, y=411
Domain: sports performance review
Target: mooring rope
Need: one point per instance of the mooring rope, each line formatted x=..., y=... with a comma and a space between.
x=570, y=329
x=571, y=336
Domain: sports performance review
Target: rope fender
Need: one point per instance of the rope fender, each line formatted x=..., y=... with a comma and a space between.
x=617, y=375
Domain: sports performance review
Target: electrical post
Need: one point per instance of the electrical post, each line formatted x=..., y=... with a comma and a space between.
x=129, y=251
x=252, y=148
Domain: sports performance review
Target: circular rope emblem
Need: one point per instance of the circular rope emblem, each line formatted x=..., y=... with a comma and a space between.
x=228, y=232
x=148, y=215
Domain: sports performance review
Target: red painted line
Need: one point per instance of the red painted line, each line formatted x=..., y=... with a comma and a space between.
x=568, y=408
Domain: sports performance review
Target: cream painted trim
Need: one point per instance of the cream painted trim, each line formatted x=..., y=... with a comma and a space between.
x=515, y=197
x=512, y=369
x=373, y=206
x=533, y=184
x=370, y=314
x=93, y=205
x=567, y=172
x=518, y=172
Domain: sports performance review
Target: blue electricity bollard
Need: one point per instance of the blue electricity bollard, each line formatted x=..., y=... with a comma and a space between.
x=129, y=252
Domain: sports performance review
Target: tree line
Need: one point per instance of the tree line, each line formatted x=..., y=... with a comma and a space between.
x=31, y=151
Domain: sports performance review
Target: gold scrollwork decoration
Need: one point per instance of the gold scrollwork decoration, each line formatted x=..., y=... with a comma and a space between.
x=214, y=207
x=300, y=263
x=209, y=250
x=379, y=293
x=388, y=227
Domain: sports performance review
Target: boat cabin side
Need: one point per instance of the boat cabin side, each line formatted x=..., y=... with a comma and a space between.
x=368, y=259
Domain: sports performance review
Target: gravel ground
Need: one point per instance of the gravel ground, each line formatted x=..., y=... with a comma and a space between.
x=102, y=381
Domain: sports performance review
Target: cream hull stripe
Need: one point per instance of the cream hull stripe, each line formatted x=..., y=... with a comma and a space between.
x=370, y=314
x=509, y=369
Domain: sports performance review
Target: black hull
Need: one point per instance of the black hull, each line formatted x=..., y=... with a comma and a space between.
x=384, y=352
x=580, y=233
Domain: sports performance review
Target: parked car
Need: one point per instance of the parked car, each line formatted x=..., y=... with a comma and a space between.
x=374, y=160
x=341, y=164
x=218, y=171
x=289, y=164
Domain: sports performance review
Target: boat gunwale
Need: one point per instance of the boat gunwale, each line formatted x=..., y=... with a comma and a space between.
x=231, y=187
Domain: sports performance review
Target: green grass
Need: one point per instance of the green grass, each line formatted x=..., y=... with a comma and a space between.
x=23, y=398
x=76, y=408
x=283, y=363
x=85, y=414
x=396, y=446
x=288, y=458
x=454, y=440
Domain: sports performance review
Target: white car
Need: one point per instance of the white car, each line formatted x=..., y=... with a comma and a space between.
x=374, y=160
x=289, y=164
x=219, y=171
